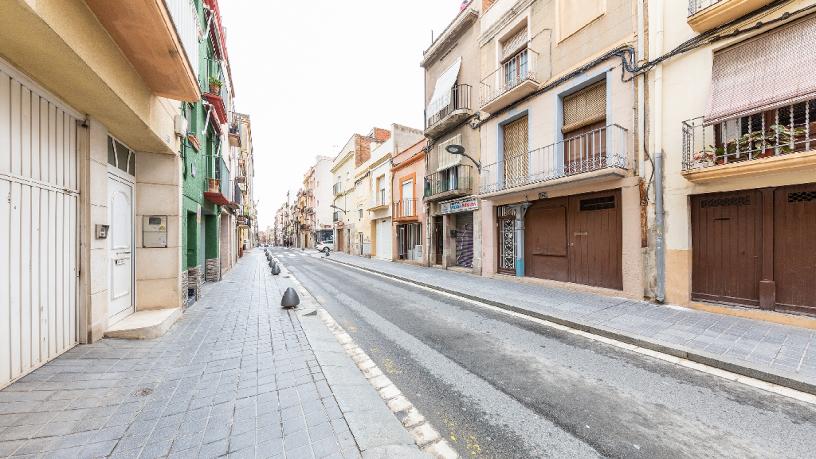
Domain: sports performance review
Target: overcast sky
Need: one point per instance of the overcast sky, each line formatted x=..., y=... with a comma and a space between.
x=310, y=74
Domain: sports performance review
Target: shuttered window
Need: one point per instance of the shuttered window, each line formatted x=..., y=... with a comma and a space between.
x=445, y=159
x=585, y=107
x=515, y=150
x=515, y=43
x=770, y=71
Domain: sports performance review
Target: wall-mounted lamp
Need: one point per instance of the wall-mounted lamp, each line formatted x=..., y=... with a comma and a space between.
x=460, y=150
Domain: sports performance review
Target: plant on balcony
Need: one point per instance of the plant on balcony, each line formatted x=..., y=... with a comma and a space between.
x=215, y=85
x=778, y=139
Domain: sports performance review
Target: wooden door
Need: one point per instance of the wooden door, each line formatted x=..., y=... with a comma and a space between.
x=545, y=240
x=341, y=240
x=795, y=248
x=595, y=243
x=726, y=247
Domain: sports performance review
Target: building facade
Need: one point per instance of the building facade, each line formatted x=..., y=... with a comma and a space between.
x=407, y=210
x=89, y=170
x=738, y=136
x=451, y=182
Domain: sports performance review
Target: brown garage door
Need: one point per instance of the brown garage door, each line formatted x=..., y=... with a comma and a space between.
x=795, y=248
x=726, y=247
x=575, y=239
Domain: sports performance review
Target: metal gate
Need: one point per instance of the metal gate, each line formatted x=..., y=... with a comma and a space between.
x=38, y=226
x=506, y=218
x=464, y=239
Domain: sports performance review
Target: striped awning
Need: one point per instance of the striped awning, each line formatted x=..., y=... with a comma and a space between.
x=772, y=70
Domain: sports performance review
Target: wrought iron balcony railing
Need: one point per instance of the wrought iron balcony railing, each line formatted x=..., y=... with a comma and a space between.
x=459, y=100
x=778, y=132
x=405, y=209
x=695, y=6
x=598, y=149
x=453, y=181
x=520, y=70
x=336, y=216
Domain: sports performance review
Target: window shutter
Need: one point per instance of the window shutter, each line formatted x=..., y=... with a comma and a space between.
x=770, y=71
x=514, y=44
x=585, y=107
x=446, y=159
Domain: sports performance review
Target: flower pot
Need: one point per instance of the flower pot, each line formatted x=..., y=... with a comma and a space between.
x=215, y=89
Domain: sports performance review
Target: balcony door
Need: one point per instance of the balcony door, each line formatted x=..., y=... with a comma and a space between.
x=584, y=130
x=407, y=198
x=515, y=152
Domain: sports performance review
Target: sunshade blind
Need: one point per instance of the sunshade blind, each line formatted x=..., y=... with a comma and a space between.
x=585, y=107
x=514, y=43
x=442, y=91
x=446, y=159
x=767, y=72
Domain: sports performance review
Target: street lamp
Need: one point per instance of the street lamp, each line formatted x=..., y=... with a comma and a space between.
x=337, y=208
x=460, y=150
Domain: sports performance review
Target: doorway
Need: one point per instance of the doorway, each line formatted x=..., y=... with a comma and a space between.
x=438, y=241
x=120, y=248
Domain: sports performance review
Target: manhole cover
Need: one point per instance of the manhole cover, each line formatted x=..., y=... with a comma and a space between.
x=144, y=392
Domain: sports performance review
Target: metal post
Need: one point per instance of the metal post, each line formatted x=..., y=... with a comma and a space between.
x=520, y=211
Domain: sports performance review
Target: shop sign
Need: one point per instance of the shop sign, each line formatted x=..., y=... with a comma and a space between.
x=460, y=205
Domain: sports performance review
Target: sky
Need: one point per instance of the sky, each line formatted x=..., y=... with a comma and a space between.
x=311, y=74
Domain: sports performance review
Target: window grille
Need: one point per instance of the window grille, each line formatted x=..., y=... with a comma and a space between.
x=802, y=196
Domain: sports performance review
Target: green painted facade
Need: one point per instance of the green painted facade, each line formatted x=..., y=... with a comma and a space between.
x=201, y=222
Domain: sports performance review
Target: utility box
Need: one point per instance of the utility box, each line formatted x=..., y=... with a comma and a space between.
x=154, y=231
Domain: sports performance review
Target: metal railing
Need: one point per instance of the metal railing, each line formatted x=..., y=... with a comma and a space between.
x=404, y=208
x=336, y=217
x=218, y=172
x=453, y=179
x=778, y=132
x=380, y=198
x=520, y=68
x=695, y=6
x=597, y=149
x=184, y=15
x=459, y=100
x=337, y=188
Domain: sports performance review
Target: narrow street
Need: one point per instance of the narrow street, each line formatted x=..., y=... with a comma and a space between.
x=499, y=386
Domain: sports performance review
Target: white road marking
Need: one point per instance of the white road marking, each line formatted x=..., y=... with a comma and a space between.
x=425, y=435
x=748, y=381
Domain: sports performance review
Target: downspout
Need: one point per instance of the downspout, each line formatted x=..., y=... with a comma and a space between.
x=660, y=249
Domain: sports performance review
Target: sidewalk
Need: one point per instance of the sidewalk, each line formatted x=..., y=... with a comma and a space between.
x=775, y=353
x=236, y=375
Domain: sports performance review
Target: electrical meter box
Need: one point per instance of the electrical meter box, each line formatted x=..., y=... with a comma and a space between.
x=154, y=231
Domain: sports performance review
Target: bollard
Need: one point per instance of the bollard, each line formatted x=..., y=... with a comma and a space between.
x=271, y=263
x=275, y=269
x=290, y=298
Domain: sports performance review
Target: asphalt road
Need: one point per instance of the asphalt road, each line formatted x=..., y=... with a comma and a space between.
x=497, y=386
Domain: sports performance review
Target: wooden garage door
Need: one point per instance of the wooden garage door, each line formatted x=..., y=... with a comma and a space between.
x=726, y=247
x=795, y=248
x=594, y=230
x=545, y=240
x=38, y=222
x=576, y=239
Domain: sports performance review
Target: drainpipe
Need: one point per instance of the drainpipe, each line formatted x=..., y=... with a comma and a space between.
x=521, y=210
x=660, y=249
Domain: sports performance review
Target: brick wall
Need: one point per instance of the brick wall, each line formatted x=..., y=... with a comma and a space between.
x=362, y=150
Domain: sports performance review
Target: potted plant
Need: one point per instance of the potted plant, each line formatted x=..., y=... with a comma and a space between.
x=704, y=158
x=215, y=85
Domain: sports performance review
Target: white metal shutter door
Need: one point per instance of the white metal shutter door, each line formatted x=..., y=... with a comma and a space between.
x=384, y=239
x=38, y=227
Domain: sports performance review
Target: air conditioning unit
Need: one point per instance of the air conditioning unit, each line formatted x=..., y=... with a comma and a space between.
x=180, y=125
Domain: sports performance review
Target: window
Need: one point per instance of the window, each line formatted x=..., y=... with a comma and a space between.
x=121, y=156
x=584, y=129
x=381, y=190
x=516, y=145
x=515, y=59
x=360, y=214
x=445, y=159
x=407, y=196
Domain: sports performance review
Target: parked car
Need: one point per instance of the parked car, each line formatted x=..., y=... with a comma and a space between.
x=325, y=246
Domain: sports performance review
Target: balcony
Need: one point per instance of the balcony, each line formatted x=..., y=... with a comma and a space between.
x=602, y=151
x=160, y=39
x=337, y=216
x=379, y=200
x=441, y=118
x=704, y=15
x=447, y=183
x=405, y=210
x=337, y=189
x=218, y=189
x=513, y=80
x=774, y=140
x=218, y=95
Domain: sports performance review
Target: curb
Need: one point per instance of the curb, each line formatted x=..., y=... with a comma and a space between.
x=673, y=350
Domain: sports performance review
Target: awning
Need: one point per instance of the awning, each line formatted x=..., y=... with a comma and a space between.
x=770, y=71
x=442, y=91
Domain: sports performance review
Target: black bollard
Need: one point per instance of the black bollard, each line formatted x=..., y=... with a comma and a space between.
x=290, y=298
x=276, y=269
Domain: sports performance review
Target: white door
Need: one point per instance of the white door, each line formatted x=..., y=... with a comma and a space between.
x=384, y=239
x=38, y=226
x=120, y=248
